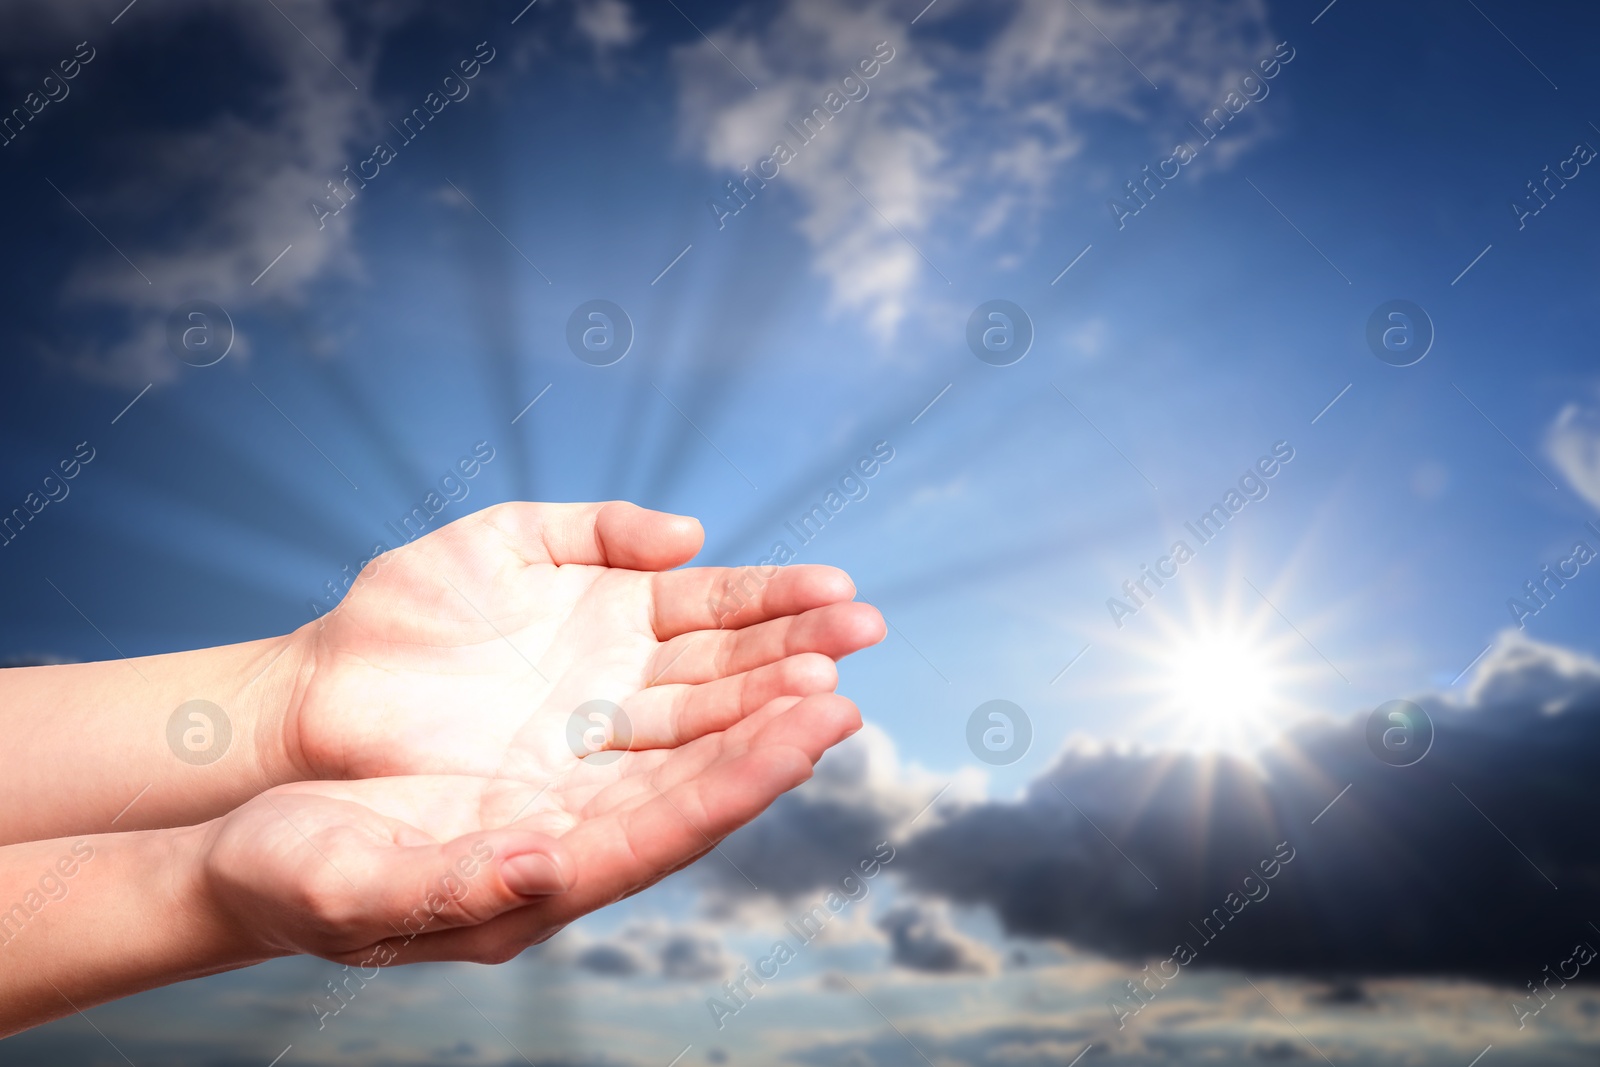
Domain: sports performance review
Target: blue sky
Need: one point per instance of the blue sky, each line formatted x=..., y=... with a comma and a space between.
x=1170, y=354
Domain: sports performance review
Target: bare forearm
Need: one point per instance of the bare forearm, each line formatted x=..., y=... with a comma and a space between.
x=85, y=741
x=86, y=920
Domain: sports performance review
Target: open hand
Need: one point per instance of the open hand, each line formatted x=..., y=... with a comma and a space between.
x=468, y=651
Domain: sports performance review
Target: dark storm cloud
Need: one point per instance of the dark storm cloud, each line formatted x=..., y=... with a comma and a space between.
x=816, y=835
x=921, y=938
x=610, y=960
x=693, y=958
x=1405, y=874
x=686, y=955
x=1447, y=867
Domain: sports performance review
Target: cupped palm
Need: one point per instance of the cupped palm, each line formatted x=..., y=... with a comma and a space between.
x=499, y=646
x=339, y=869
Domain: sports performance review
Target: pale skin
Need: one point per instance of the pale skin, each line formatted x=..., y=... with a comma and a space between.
x=401, y=785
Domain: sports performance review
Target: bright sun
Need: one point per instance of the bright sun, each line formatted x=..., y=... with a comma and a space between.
x=1223, y=690
x=1218, y=681
x=1220, y=675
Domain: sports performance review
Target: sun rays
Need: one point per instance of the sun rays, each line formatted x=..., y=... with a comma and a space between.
x=1221, y=675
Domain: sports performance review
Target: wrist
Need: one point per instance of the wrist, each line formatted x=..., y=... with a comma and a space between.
x=282, y=685
x=159, y=741
x=219, y=939
x=142, y=894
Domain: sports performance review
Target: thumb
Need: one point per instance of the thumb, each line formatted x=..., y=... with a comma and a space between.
x=467, y=881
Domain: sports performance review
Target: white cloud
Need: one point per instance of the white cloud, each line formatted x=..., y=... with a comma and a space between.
x=231, y=191
x=1520, y=673
x=797, y=59
x=1089, y=338
x=607, y=24
x=991, y=128
x=939, y=492
x=1573, y=441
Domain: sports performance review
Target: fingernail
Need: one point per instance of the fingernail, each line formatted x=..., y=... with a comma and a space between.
x=533, y=875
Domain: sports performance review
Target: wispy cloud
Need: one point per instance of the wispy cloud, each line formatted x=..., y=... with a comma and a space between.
x=1573, y=442
x=204, y=205
x=961, y=136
